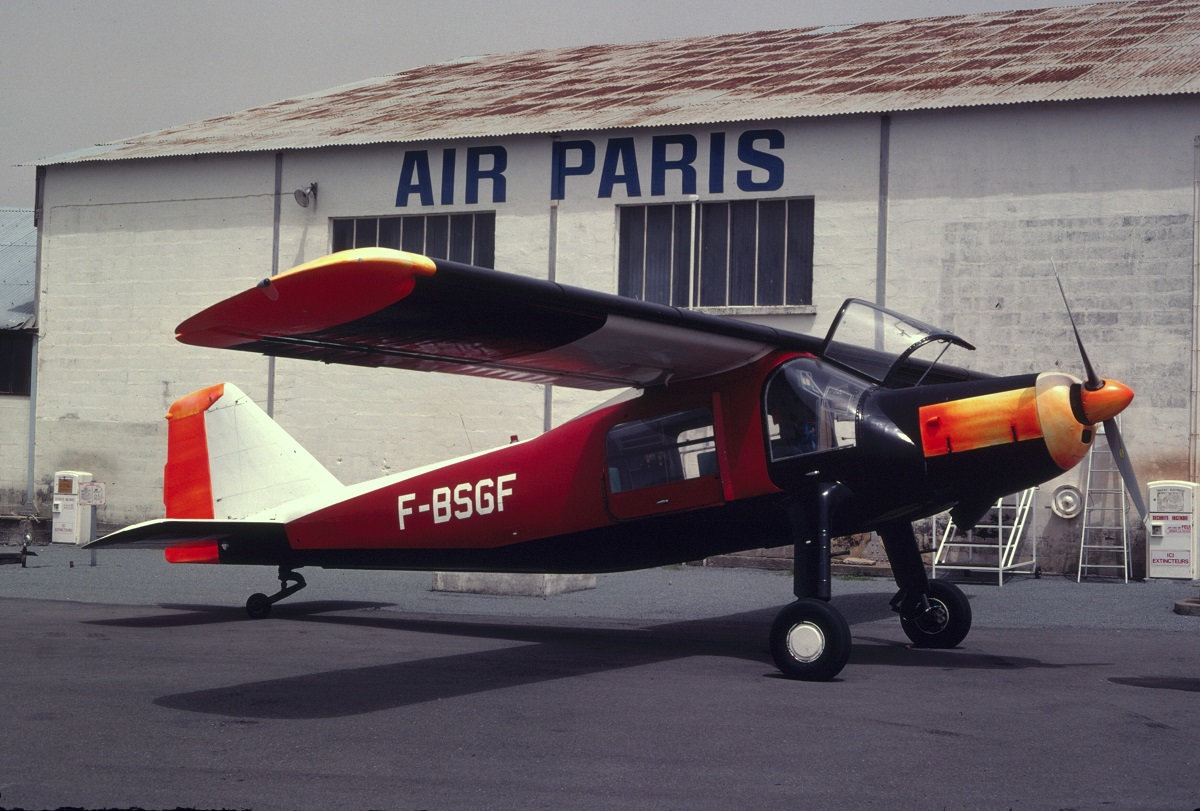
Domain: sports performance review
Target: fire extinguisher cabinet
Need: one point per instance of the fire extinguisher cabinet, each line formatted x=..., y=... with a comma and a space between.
x=1171, y=530
x=72, y=520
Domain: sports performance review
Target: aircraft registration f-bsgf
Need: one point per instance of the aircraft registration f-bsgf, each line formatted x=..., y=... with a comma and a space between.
x=740, y=437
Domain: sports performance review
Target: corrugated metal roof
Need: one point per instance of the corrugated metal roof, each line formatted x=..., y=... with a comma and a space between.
x=18, y=269
x=1099, y=51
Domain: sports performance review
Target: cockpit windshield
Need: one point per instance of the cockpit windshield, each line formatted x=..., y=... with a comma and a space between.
x=879, y=343
x=811, y=407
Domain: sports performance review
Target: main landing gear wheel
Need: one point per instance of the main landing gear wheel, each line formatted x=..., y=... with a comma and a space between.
x=941, y=620
x=810, y=640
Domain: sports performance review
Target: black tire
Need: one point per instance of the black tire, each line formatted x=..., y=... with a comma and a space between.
x=810, y=640
x=948, y=621
x=258, y=606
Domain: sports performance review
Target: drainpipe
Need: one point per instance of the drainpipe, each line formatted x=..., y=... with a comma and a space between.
x=881, y=224
x=274, y=272
x=551, y=274
x=39, y=220
x=1193, y=405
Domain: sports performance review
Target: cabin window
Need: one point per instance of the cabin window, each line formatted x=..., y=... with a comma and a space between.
x=669, y=448
x=466, y=238
x=16, y=362
x=809, y=408
x=739, y=253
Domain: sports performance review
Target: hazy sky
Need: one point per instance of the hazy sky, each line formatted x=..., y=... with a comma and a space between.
x=74, y=73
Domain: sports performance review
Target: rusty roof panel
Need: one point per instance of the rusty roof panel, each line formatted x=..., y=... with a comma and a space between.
x=1099, y=51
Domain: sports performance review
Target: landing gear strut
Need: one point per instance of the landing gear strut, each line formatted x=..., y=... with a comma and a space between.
x=810, y=639
x=258, y=606
x=933, y=613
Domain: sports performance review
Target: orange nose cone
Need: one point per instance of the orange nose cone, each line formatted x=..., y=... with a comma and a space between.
x=1105, y=402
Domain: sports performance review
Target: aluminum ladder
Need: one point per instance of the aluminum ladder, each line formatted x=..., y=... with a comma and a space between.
x=997, y=536
x=1104, y=539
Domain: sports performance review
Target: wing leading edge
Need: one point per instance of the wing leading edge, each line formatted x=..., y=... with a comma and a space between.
x=382, y=307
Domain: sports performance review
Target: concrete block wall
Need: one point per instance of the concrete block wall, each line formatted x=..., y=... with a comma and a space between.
x=127, y=254
x=1099, y=192
x=14, y=450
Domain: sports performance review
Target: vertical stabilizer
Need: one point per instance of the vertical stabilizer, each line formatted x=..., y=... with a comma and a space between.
x=226, y=459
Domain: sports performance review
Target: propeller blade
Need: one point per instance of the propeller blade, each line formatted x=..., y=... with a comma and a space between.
x=1117, y=445
x=1093, y=380
x=1112, y=433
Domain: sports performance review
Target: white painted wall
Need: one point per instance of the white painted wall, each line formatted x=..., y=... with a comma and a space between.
x=129, y=251
x=14, y=452
x=986, y=204
x=980, y=200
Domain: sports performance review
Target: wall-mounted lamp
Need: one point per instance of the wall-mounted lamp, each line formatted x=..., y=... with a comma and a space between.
x=304, y=195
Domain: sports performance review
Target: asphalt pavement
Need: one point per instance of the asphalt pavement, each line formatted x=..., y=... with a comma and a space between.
x=135, y=683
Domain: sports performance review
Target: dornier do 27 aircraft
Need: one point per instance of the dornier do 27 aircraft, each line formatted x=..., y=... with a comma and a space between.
x=740, y=437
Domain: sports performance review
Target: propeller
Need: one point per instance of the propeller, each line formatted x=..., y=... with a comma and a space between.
x=1093, y=380
x=1102, y=401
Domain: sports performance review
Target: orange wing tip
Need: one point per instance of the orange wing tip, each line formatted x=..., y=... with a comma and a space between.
x=316, y=295
x=198, y=552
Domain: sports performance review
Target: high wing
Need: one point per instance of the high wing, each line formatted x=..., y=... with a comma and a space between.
x=383, y=307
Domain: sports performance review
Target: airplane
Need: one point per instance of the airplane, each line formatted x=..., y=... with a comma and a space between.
x=728, y=436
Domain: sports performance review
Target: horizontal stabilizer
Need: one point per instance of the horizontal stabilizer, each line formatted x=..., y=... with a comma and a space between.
x=164, y=533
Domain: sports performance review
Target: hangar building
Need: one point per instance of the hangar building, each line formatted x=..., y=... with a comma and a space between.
x=944, y=167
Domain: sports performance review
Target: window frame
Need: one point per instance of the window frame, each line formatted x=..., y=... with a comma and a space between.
x=725, y=256
x=672, y=439
x=438, y=235
x=686, y=441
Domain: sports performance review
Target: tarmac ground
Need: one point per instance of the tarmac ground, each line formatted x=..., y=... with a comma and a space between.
x=135, y=683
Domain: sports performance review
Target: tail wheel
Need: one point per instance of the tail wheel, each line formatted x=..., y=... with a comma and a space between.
x=810, y=640
x=942, y=620
x=258, y=606
x=290, y=582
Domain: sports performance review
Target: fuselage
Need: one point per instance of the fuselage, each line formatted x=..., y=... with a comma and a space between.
x=704, y=467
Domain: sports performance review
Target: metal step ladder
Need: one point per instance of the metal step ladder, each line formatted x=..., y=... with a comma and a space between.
x=996, y=539
x=1104, y=539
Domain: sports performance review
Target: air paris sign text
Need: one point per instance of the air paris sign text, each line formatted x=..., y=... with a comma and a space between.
x=681, y=163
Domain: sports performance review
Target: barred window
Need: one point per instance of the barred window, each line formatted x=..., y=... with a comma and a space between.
x=741, y=253
x=467, y=238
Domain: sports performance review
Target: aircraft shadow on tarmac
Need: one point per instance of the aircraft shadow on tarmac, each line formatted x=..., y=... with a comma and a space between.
x=543, y=650
x=1159, y=683
x=187, y=614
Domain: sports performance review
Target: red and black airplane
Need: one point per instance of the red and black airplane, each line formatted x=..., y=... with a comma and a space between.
x=739, y=437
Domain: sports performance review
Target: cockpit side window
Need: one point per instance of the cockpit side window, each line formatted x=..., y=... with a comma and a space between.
x=810, y=408
x=669, y=448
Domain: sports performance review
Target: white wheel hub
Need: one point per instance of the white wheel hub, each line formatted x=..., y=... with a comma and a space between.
x=806, y=642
